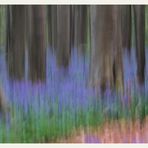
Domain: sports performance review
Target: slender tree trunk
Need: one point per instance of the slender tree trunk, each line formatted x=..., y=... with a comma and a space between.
x=54, y=26
x=49, y=12
x=106, y=69
x=72, y=16
x=63, y=35
x=8, y=33
x=118, y=50
x=16, y=41
x=28, y=27
x=126, y=27
x=83, y=24
x=139, y=12
x=37, y=52
x=81, y=27
x=4, y=105
x=101, y=46
x=76, y=16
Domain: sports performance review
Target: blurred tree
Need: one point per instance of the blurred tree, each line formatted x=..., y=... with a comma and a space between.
x=15, y=48
x=146, y=25
x=139, y=18
x=8, y=38
x=73, y=32
x=106, y=69
x=28, y=27
x=2, y=26
x=63, y=35
x=37, y=51
x=49, y=14
x=80, y=27
x=54, y=26
x=126, y=27
x=72, y=25
x=118, y=49
x=4, y=105
x=139, y=13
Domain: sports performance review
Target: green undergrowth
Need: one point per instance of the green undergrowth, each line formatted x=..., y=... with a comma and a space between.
x=43, y=127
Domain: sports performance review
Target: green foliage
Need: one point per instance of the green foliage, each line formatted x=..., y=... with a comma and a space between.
x=43, y=127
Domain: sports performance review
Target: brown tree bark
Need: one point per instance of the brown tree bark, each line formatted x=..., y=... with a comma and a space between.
x=106, y=68
x=101, y=46
x=139, y=12
x=37, y=52
x=28, y=26
x=54, y=26
x=49, y=14
x=16, y=41
x=72, y=25
x=81, y=27
x=126, y=27
x=63, y=35
x=8, y=33
x=4, y=106
x=118, y=50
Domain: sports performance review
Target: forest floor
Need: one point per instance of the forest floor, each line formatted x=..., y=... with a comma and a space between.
x=43, y=113
x=111, y=132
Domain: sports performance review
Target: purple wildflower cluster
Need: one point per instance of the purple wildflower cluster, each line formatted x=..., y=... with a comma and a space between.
x=69, y=88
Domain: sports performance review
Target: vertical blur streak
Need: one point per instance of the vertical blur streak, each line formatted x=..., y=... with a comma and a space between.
x=54, y=26
x=45, y=112
x=49, y=18
x=63, y=35
x=118, y=62
x=126, y=27
x=80, y=28
x=102, y=46
x=16, y=41
x=2, y=26
x=139, y=12
x=72, y=14
x=37, y=51
x=7, y=31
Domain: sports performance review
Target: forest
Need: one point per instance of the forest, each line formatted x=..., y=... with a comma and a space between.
x=73, y=73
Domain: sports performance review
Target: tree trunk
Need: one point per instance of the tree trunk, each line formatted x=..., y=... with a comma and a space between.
x=126, y=27
x=16, y=41
x=139, y=12
x=49, y=12
x=54, y=26
x=106, y=69
x=8, y=34
x=81, y=28
x=101, y=46
x=63, y=35
x=4, y=106
x=37, y=52
x=72, y=16
x=118, y=50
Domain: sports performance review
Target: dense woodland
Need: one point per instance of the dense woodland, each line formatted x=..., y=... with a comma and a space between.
x=99, y=35
x=33, y=29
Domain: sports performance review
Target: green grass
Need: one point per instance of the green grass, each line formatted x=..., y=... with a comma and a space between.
x=43, y=127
